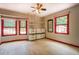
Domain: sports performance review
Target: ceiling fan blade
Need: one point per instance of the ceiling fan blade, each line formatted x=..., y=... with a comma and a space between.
x=43, y=9
x=39, y=5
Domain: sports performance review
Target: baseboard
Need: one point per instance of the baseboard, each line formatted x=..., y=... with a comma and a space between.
x=64, y=42
x=13, y=41
x=18, y=40
x=46, y=38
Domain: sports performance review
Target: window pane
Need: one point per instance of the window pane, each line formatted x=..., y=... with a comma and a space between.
x=23, y=27
x=9, y=26
x=9, y=23
x=8, y=31
x=22, y=30
x=23, y=23
x=61, y=20
x=62, y=24
x=50, y=24
x=61, y=28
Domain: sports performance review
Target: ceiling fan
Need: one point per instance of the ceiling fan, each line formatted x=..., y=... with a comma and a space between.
x=38, y=8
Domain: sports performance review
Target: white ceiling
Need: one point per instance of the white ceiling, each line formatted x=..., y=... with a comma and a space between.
x=26, y=7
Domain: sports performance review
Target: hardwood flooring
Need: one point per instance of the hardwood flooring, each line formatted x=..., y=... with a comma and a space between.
x=38, y=47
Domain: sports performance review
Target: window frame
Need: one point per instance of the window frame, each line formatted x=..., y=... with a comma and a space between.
x=62, y=24
x=21, y=27
x=2, y=27
x=49, y=25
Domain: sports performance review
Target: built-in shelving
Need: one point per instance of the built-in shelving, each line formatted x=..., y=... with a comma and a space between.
x=36, y=29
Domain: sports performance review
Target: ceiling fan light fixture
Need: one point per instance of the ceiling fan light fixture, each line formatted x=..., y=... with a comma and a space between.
x=38, y=8
x=37, y=12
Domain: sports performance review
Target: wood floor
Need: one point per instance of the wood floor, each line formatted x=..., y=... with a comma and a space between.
x=38, y=47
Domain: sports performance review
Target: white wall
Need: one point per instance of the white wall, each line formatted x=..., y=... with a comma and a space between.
x=73, y=36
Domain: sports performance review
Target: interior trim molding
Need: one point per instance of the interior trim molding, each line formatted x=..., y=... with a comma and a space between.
x=13, y=41
x=24, y=27
x=66, y=24
x=35, y=33
x=63, y=42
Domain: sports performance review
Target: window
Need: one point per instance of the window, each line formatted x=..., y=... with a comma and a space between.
x=23, y=27
x=50, y=25
x=9, y=26
x=62, y=24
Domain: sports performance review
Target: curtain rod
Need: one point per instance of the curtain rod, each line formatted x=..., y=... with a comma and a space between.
x=10, y=16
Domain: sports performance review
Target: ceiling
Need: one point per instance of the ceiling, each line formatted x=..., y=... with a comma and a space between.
x=26, y=7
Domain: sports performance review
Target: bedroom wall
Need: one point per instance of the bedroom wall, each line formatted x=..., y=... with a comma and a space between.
x=73, y=37
x=17, y=14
